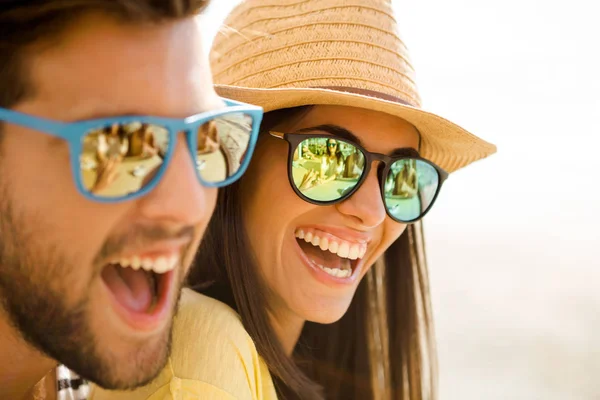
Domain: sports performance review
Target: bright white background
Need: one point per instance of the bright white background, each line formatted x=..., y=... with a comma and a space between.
x=513, y=241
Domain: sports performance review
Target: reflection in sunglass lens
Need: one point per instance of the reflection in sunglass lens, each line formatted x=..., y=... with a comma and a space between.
x=222, y=146
x=410, y=188
x=120, y=159
x=326, y=170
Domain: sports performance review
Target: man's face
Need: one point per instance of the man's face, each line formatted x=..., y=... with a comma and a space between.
x=63, y=284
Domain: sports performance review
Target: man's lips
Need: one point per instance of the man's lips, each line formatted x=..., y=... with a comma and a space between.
x=151, y=318
x=141, y=284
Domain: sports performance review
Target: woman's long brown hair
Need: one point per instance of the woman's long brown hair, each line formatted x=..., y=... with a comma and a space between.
x=382, y=348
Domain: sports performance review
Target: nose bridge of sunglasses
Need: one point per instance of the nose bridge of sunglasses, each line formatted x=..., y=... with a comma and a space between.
x=192, y=137
x=381, y=162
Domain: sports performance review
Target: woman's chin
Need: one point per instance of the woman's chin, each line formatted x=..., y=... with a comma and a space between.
x=327, y=321
x=331, y=315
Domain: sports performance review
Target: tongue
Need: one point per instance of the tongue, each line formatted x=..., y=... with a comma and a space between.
x=131, y=288
x=324, y=258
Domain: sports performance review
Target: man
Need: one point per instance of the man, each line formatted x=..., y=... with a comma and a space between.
x=88, y=282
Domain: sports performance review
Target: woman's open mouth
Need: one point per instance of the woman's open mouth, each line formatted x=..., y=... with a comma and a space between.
x=336, y=257
x=141, y=286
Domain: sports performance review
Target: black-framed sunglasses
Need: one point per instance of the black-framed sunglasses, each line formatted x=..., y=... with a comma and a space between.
x=409, y=184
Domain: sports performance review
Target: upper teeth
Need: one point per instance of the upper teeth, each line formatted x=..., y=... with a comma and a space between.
x=342, y=248
x=158, y=265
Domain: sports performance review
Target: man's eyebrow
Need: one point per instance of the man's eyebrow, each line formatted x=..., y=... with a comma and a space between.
x=335, y=130
x=135, y=113
x=108, y=114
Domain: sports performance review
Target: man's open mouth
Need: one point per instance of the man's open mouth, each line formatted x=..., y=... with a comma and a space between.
x=335, y=256
x=139, y=283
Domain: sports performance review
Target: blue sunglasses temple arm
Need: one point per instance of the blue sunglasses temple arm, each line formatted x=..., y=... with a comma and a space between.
x=35, y=123
x=235, y=103
x=232, y=103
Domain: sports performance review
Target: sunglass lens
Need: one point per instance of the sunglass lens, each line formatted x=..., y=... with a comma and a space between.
x=325, y=169
x=222, y=145
x=410, y=189
x=120, y=159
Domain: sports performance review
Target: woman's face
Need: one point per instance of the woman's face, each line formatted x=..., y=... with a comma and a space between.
x=332, y=146
x=275, y=215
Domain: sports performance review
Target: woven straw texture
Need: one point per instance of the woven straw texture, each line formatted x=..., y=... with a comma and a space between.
x=287, y=53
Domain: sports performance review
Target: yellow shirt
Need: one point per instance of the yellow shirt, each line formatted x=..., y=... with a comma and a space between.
x=213, y=358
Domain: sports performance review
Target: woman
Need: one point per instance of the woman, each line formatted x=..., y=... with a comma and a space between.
x=111, y=149
x=318, y=292
x=329, y=68
x=337, y=73
x=331, y=165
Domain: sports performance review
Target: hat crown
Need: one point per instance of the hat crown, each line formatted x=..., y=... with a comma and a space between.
x=314, y=44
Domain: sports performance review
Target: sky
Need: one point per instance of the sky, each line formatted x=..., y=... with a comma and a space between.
x=513, y=241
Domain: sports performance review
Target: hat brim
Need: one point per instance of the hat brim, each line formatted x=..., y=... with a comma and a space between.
x=443, y=142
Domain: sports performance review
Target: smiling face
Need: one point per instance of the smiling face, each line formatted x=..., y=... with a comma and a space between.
x=93, y=285
x=291, y=237
x=332, y=146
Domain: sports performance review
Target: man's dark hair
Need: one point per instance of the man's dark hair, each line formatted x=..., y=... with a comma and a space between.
x=25, y=23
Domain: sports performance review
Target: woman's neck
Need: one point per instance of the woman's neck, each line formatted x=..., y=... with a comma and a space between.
x=288, y=328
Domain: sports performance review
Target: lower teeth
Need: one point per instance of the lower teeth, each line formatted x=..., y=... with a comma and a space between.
x=336, y=272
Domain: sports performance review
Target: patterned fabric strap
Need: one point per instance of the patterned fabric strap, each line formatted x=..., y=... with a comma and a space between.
x=70, y=386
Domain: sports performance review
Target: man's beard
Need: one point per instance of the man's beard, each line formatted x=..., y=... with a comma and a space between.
x=34, y=288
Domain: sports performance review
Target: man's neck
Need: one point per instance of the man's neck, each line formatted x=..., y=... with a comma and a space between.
x=22, y=366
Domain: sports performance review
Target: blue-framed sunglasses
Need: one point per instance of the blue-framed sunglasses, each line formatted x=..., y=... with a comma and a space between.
x=122, y=158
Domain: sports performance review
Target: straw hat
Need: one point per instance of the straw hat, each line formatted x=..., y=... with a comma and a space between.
x=287, y=53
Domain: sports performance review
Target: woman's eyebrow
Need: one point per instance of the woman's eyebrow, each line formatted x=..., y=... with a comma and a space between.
x=335, y=130
x=405, y=152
